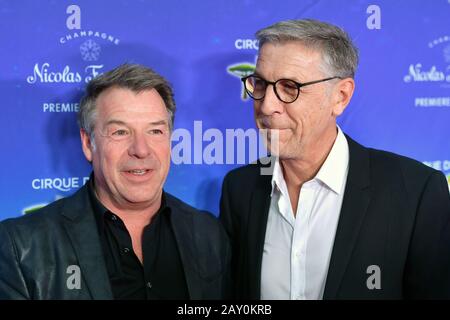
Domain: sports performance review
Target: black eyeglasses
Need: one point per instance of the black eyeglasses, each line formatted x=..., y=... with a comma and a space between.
x=285, y=89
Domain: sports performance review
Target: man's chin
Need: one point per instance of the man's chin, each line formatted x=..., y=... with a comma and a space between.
x=283, y=153
x=277, y=150
x=137, y=197
x=140, y=203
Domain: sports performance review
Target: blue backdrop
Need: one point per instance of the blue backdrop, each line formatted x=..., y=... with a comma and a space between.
x=49, y=49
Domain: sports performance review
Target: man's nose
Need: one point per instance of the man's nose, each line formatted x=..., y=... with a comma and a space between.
x=140, y=146
x=270, y=104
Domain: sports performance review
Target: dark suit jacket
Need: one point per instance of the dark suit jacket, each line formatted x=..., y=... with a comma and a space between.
x=395, y=214
x=37, y=249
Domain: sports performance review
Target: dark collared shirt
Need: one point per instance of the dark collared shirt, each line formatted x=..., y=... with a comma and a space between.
x=161, y=276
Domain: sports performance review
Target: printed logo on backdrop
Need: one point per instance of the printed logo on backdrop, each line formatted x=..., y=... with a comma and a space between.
x=89, y=44
x=435, y=72
x=64, y=184
x=243, y=69
x=90, y=47
x=61, y=184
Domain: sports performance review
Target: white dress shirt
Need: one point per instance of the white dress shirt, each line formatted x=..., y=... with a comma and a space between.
x=297, y=249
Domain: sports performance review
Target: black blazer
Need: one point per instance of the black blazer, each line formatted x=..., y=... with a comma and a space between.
x=37, y=249
x=395, y=214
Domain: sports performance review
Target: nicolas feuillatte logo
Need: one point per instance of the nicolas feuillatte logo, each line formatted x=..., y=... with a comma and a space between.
x=89, y=45
x=435, y=72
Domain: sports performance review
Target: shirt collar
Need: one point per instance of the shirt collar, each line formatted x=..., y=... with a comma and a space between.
x=278, y=182
x=332, y=173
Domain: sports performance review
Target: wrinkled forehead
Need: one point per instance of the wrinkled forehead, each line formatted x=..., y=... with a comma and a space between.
x=288, y=59
x=127, y=104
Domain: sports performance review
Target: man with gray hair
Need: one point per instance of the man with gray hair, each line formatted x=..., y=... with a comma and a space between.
x=334, y=220
x=120, y=236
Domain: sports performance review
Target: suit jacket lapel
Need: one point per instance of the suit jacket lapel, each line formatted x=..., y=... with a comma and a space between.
x=257, y=221
x=355, y=203
x=182, y=228
x=80, y=225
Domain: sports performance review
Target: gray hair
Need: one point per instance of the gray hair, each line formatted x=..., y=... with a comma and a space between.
x=339, y=54
x=134, y=77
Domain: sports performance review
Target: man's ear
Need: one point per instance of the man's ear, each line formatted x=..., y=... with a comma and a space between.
x=342, y=95
x=86, y=144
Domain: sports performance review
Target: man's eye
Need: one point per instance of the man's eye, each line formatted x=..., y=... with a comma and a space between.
x=288, y=85
x=288, y=88
x=120, y=132
x=259, y=83
x=156, y=131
